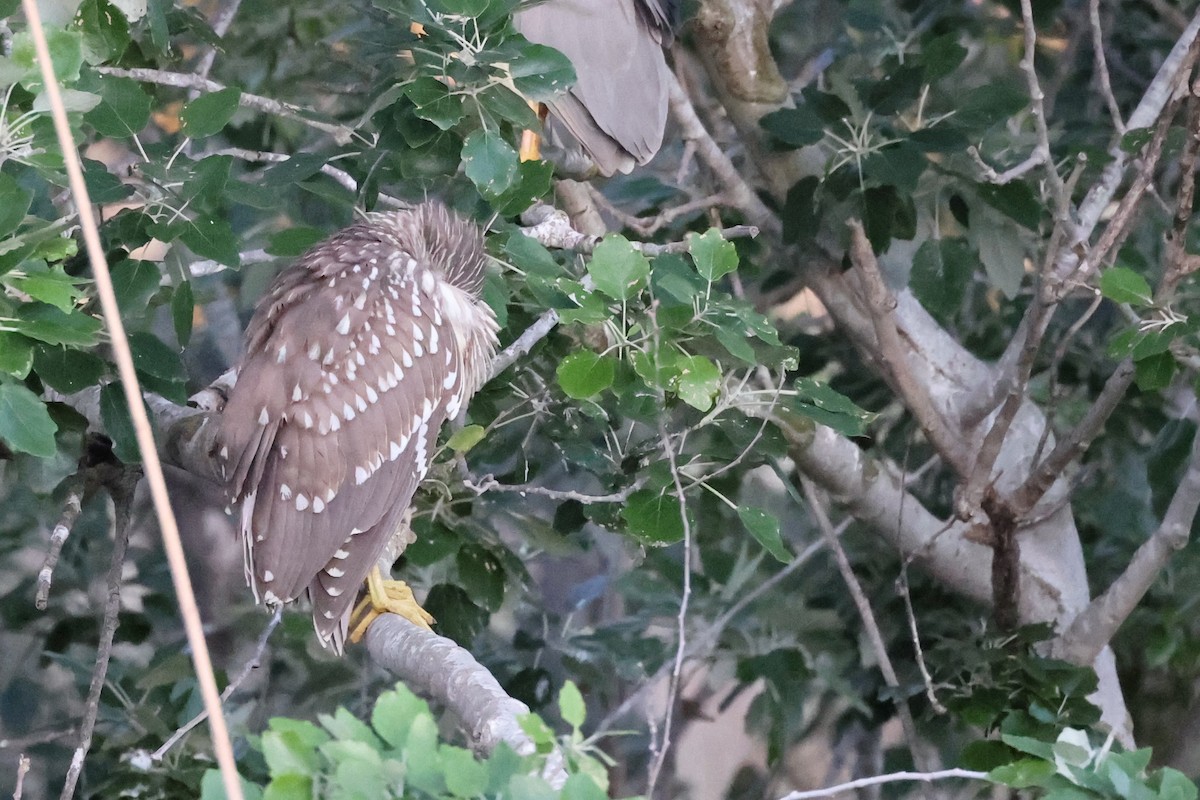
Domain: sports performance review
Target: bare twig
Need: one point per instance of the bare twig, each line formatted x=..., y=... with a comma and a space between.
x=22, y=771
x=343, y=178
x=1096, y=625
x=664, y=745
x=183, y=80
x=1102, y=76
x=817, y=507
x=1058, y=192
x=892, y=777
x=918, y=650
x=58, y=537
x=736, y=191
x=488, y=483
x=1074, y=443
x=220, y=26
x=133, y=397
x=253, y=663
x=121, y=489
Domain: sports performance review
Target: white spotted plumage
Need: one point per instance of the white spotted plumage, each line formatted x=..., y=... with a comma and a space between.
x=356, y=357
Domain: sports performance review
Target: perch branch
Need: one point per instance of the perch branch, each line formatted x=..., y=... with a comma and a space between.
x=437, y=666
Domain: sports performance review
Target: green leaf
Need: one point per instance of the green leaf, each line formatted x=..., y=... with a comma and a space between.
x=66, y=54
x=941, y=272
x=1174, y=785
x=1123, y=285
x=25, y=424
x=66, y=369
x=435, y=102
x=289, y=787
x=541, y=72
x=458, y=616
x=183, y=312
x=1027, y=744
x=618, y=270
x=796, y=127
x=714, y=256
x=154, y=358
x=209, y=113
x=394, y=714
x=118, y=424
x=581, y=787
x=212, y=238
x=654, y=516
x=103, y=187
x=698, y=382
x=14, y=204
x=571, y=705
x=465, y=776
x=49, y=285
x=288, y=753
x=213, y=788
x=105, y=31
x=134, y=283
x=1000, y=251
x=765, y=529
x=942, y=55
x=900, y=165
x=489, y=161
x=823, y=404
x=1023, y=774
x=484, y=573
x=585, y=374
x=1155, y=372
x=461, y=441
x=47, y=324
x=16, y=354
x=530, y=787
x=124, y=108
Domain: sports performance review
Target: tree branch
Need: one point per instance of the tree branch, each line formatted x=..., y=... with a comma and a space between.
x=183, y=80
x=438, y=667
x=1092, y=629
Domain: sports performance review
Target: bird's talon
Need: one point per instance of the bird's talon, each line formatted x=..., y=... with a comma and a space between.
x=383, y=597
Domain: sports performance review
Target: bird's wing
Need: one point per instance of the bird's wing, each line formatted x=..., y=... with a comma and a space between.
x=617, y=108
x=352, y=408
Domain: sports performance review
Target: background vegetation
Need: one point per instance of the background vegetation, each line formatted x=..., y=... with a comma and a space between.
x=904, y=481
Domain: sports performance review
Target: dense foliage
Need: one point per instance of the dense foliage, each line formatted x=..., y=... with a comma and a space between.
x=667, y=456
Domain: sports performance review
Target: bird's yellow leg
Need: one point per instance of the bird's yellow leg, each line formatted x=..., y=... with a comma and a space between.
x=386, y=596
x=530, y=140
x=530, y=146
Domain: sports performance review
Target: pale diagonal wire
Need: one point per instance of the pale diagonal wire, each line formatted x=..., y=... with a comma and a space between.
x=133, y=396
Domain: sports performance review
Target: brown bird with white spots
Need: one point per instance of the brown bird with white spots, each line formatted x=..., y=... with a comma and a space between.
x=355, y=357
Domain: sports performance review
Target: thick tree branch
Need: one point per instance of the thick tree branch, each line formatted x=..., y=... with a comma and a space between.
x=438, y=667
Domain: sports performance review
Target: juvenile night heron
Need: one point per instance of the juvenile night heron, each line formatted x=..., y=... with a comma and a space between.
x=615, y=113
x=355, y=357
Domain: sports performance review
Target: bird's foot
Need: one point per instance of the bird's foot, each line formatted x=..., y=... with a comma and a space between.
x=386, y=597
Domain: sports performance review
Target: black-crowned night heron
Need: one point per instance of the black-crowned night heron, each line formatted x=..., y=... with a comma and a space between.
x=355, y=357
x=615, y=113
